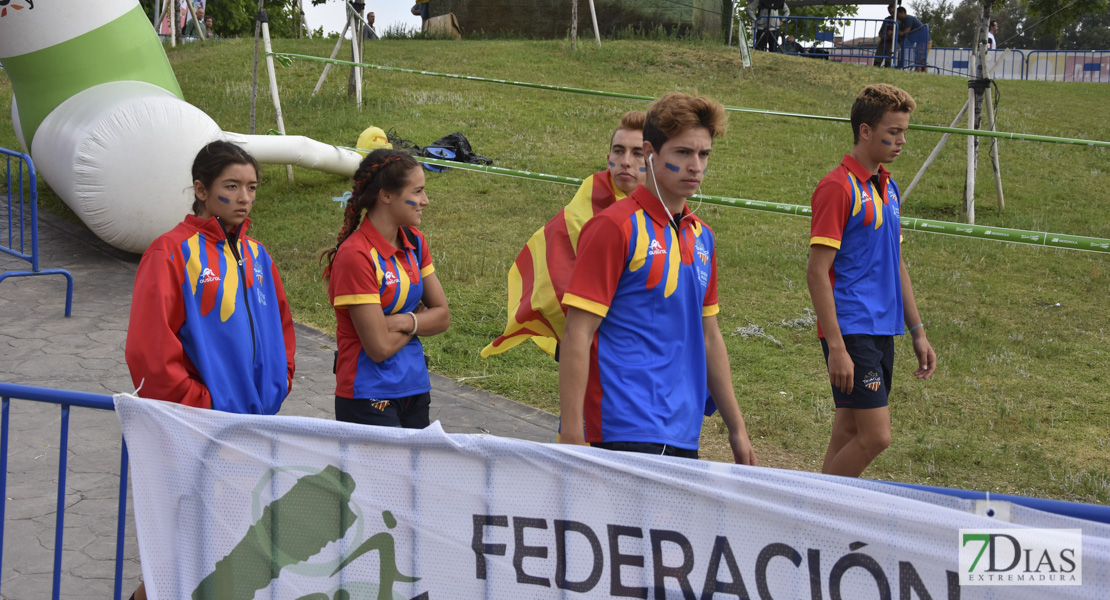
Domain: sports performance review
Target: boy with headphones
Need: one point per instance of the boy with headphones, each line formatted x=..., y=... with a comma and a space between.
x=648, y=295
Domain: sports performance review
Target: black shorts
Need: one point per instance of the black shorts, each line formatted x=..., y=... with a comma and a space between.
x=647, y=448
x=873, y=356
x=410, y=412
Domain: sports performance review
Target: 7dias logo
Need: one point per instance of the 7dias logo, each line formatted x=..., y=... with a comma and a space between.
x=1021, y=557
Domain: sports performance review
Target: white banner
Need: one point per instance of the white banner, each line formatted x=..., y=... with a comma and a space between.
x=239, y=507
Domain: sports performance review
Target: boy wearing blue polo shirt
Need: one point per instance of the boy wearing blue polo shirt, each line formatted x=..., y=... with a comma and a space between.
x=858, y=281
x=648, y=296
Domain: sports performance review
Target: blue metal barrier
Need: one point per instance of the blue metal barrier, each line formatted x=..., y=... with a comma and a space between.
x=840, y=40
x=914, y=52
x=65, y=399
x=1068, y=65
x=23, y=215
x=1075, y=510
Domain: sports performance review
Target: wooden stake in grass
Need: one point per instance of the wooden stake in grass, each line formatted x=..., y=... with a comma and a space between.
x=574, y=25
x=273, y=83
x=254, y=72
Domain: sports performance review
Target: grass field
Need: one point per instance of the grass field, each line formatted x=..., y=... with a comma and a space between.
x=1019, y=403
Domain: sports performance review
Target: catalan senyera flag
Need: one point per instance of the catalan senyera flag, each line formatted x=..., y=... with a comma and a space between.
x=541, y=271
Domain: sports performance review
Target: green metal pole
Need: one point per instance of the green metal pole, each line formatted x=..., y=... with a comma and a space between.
x=286, y=59
x=982, y=232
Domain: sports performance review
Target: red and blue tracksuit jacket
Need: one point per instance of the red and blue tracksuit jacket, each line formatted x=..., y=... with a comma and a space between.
x=210, y=325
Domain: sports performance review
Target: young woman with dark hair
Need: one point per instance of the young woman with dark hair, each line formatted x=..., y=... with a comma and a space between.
x=210, y=325
x=383, y=286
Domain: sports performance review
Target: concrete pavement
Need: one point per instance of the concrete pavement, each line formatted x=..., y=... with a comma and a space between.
x=39, y=346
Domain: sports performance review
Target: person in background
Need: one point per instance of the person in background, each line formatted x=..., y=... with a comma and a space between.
x=209, y=27
x=791, y=46
x=915, y=39
x=192, y=28
x=859, y=283
x=884, y=50
x=767, y=16
x=992, y=44
x=542, y=269
x=421, y=9
x=369, y=32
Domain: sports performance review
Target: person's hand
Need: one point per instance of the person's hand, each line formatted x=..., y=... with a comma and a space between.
x=742, y=451
x=926, y=357
x=841, y=370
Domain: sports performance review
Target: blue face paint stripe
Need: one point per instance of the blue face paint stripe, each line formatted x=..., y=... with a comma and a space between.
x=671, y=167
x=224, y=200
x=612, y=164
x=411, y=203
x=886, y=142
x=643, y=169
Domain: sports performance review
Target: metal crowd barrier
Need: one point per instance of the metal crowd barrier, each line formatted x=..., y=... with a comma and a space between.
x=1068, y=65
x=1007, y=64
x=65, y=399
x=817, y=37
x=856, y=41
x=22, y=220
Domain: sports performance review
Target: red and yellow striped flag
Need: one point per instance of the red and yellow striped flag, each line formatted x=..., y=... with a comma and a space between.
x=541, y=271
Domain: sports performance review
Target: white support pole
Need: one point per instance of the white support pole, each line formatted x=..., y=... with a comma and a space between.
x=994, y=153
x=933, y=155
x=334, y=53
x=593, y=15
x=355, y=56
x=304, y=23
x=274, y=87
x=173, y=22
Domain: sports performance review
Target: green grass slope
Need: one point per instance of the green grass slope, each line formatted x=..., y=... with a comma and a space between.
x=1019, y=402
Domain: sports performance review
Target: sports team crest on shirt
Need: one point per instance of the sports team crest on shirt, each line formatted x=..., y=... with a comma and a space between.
x=656, y=248
x=209, y=276
x=258, y=275
x=390, y=278
x=703, y=254
x=872, y=381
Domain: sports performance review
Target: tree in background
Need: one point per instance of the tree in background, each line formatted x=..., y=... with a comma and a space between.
x=1030, y=24
x=236, y=17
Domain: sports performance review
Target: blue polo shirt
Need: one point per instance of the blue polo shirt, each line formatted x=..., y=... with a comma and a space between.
x=369, y=270
x=860, y=215
x=652, y=285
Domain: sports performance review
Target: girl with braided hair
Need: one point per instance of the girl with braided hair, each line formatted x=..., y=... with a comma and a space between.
x=383, y=287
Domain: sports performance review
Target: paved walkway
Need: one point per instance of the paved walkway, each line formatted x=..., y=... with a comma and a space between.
x=40, y=347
